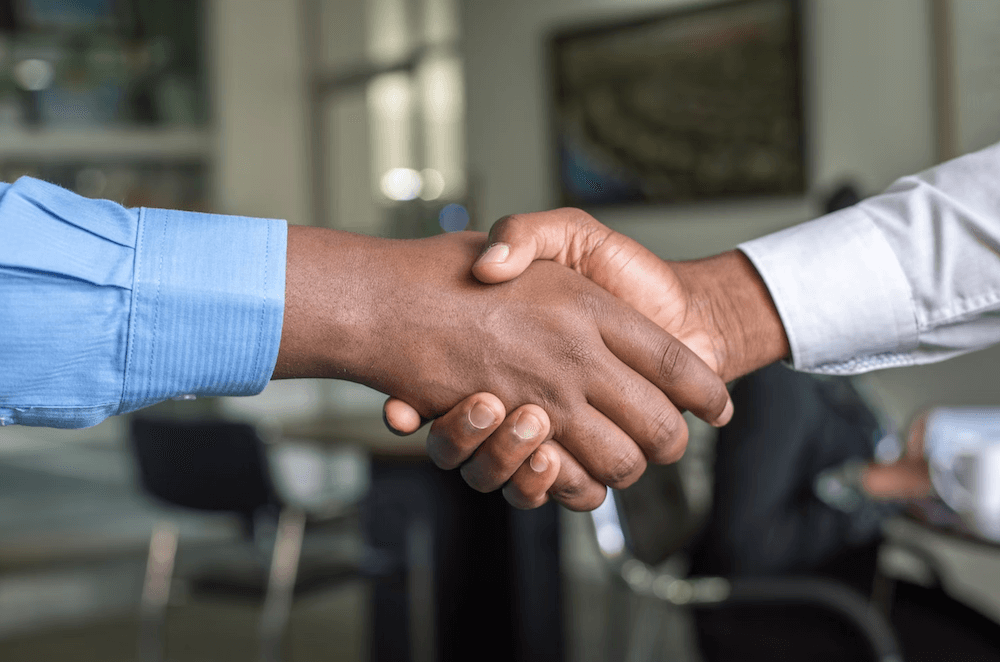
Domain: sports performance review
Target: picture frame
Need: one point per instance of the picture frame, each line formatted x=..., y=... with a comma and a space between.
x=680, y=107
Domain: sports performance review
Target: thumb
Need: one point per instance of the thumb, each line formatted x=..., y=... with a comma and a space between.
x=517, y=241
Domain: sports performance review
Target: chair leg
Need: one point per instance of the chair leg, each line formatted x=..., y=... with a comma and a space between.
x=281, y=583
x=156, y=591
x=420, y=590
x=646, y=625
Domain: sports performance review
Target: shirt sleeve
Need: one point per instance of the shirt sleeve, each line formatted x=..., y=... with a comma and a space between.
x=107, y=310
x=908, y=277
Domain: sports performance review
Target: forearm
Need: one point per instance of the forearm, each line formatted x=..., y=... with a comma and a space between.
x=734, y=305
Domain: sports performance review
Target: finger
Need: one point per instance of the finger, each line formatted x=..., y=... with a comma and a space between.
x=603, y=450
x=529, y=486
x=666, y=362
x=510, y=445
x=915, y=437
x=906, y=479
x=455, y=436
x=643, y=413
x=574, y=488
x=401, y=418
x=563, y=235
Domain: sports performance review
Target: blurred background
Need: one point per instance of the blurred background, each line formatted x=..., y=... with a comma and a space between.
x=690, y=126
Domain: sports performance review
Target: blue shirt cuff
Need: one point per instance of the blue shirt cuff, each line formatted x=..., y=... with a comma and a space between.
x=207, y=306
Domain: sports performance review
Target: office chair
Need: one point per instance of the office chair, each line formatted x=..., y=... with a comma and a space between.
x=639, y=529
x=223, y=467
x=617, y=542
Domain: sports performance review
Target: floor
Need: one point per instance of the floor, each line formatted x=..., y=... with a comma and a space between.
x=74, y=533
x=73, y=538
x=327, y=627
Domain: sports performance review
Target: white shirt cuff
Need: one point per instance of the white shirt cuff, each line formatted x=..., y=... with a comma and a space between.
x=841, y=293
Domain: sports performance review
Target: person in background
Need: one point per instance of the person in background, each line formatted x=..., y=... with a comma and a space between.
x=952, y=453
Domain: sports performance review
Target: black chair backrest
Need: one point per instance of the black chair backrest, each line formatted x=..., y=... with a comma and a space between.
x=213, y=466
x=788, y=427
x=656, y=518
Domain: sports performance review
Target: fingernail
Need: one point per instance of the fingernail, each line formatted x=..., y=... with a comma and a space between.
x=495, y=254
x=528, y=426
x=538, y=462
x=481, y=416
x=724, y=417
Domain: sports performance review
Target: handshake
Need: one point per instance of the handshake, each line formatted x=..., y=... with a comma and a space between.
x=555, y=355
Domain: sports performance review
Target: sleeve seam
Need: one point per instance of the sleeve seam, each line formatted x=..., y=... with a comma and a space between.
x=970, y=306
x=129, y=345
x=22, y=407
x=912, y=297
x=263, y=304
x=156, y=302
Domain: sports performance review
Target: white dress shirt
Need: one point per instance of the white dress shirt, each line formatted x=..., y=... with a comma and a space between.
x=907, y=277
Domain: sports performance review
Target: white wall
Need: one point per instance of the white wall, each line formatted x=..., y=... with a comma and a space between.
x=259, y=97
x=869, y=106
x=868, y=85
x=868, y=103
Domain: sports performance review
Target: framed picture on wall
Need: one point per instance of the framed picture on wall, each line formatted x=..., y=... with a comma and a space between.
x=686, y=106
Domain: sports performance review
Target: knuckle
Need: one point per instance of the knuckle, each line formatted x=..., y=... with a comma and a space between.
x=673, y=361
x=673, y=451
x=626, y=470
x=583, y=220
x=443, y=462
x=570, y=487
x=510, y=224
x=550, y=397
x=442, y=453
x=585, y=502
x=475, y=479
x=576, y=350
x=668, y=439
x=717, y=401
x=522, y=501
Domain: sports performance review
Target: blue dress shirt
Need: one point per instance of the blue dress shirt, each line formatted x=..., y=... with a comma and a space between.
x=107, y=310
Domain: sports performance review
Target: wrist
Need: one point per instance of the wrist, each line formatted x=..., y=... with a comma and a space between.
x=330, y=287
x=735, y=308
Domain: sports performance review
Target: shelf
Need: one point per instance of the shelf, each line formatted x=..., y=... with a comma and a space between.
x=85, y=144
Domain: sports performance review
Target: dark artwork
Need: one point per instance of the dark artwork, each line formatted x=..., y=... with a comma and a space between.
x=683, y=107
x=6, y=16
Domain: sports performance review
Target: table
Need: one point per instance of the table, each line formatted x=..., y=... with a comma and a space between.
x=924, y=546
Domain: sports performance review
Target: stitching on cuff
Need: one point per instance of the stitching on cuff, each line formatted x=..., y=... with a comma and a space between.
x=156, y=300
x=129, y=345
x=263, y=306
x=962, y=309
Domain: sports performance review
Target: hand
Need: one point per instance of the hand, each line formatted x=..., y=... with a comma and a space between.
x=719, y=307
x=908, y=477
x=406, y=318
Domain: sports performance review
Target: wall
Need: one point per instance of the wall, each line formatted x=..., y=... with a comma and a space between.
x=868, y=88
x=259, y=96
